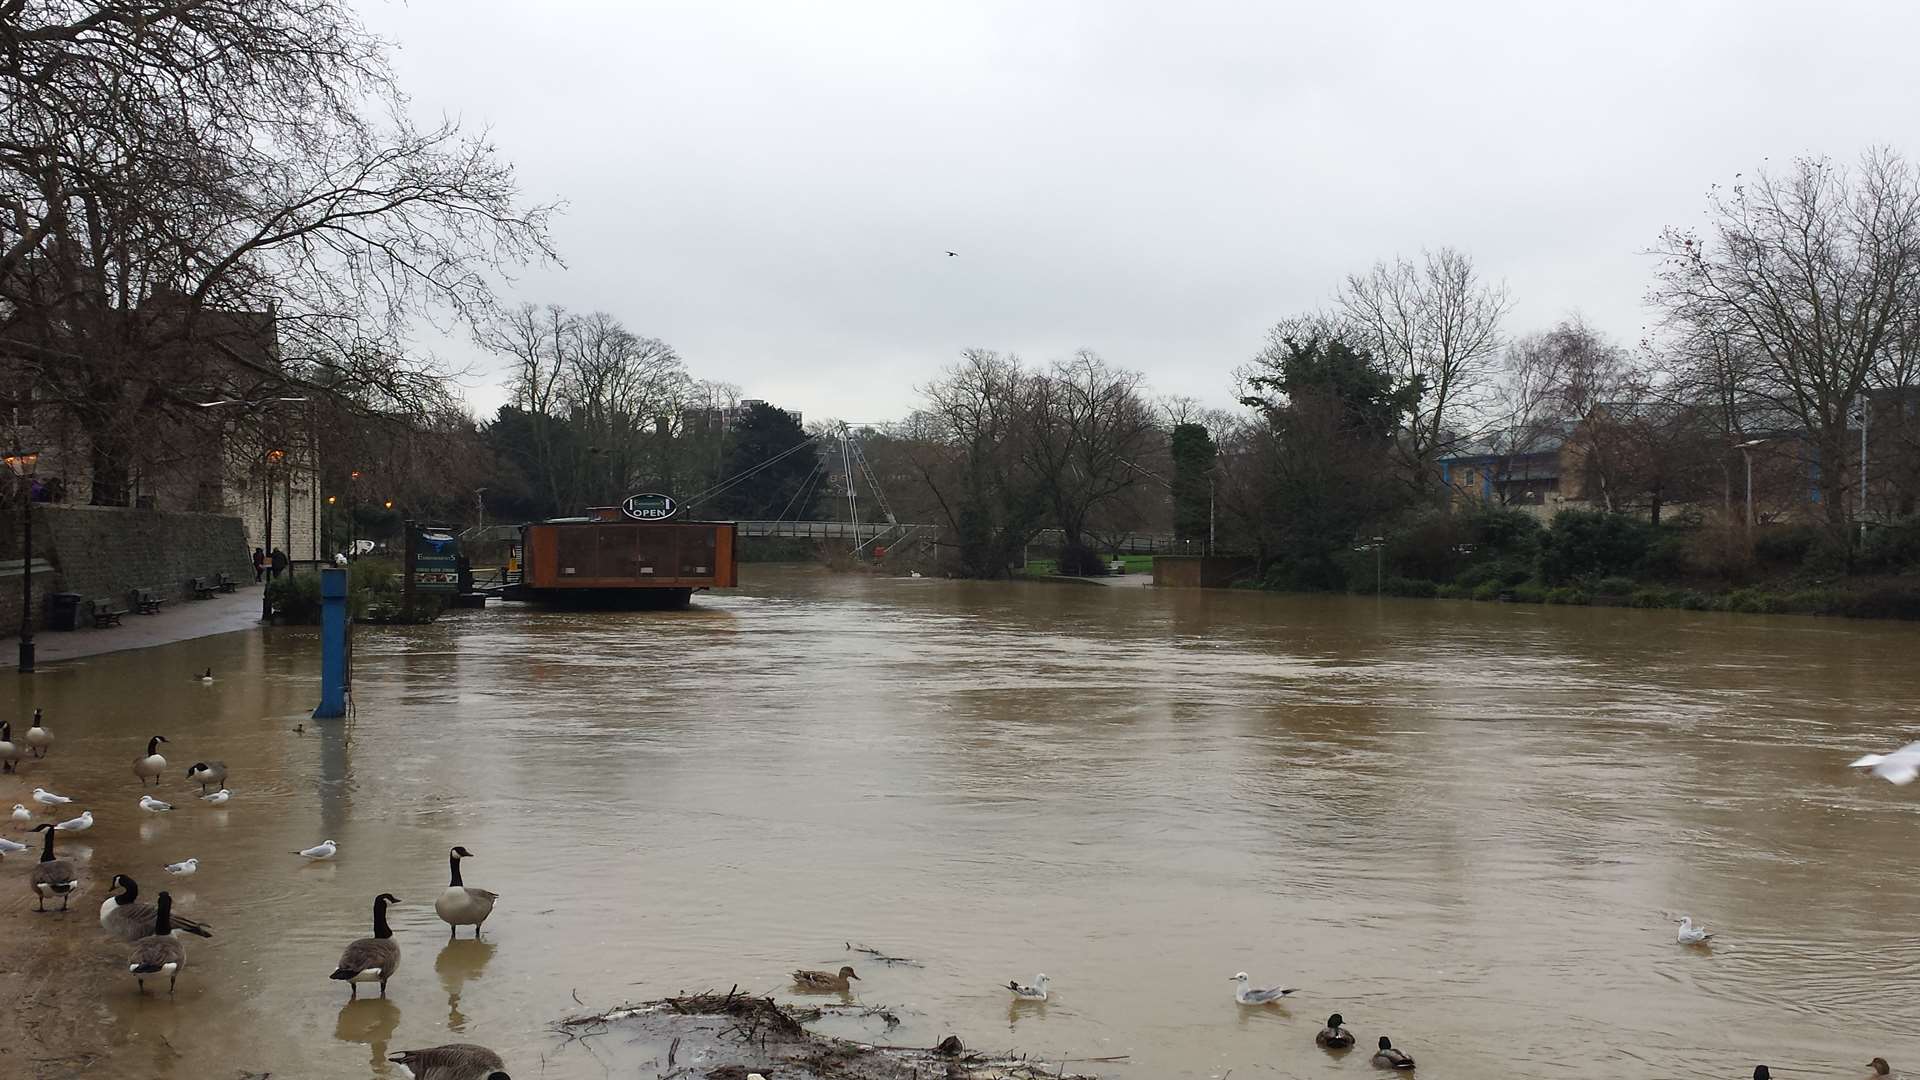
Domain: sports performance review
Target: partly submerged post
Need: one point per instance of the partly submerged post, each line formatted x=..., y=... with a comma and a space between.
x=333, y=644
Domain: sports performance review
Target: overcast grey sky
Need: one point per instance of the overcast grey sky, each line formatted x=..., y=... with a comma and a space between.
x=771, y=186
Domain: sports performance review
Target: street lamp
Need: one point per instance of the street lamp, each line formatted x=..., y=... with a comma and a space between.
x=271, y=457
x=22, y=463
x=1746, y=449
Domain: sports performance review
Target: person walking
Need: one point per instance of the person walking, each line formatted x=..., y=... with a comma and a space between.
x=279, y=563
x=259, y=565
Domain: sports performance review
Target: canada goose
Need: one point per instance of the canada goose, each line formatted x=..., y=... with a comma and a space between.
x=205, y=676
x=10, y=751
x=152, y=765
x=1690, y=934
x=371, y=959
x=825, y=980
x=323, y=850
x=39, y=739
x=454, y=1061
x=184, y=867
x=218, y=798
x=154, y=806
x=159, y=953
x=21, y=815
x=1388, y=1058
x=48, y=798
x=53, y=877
x=459, y=905
x=208, y=774
x=78, y=824
x=125, y=918
x=1036, y=992
x=1333, y=1036
x=1247, y=994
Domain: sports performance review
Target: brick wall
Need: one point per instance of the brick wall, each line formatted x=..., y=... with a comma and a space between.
x=106, y=550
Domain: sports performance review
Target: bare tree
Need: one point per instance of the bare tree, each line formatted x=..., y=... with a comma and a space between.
x=966, y=446
x=1815, y=275
x=1086, y=428
x=1436, y=325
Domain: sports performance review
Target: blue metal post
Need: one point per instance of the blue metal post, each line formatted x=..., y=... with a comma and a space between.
x=333, y=644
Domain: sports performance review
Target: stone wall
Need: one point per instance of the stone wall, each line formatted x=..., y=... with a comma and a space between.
x=1201, y=571
x=103, y=551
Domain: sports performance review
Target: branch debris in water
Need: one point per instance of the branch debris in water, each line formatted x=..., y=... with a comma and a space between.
x=883, y=957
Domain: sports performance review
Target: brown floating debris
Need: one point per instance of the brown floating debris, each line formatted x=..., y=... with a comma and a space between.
x=882, y=957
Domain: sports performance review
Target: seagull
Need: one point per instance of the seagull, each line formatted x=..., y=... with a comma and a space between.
x=1252, y=995
x=218, y=798
x=951, y=254
x=1690, y=934
x=21, y=813
x=48, y=798
x=79, y=824
x=154, y=806
x=322, y=850
x=183, y=868
x=11, y=847
x=1036, y=992
x=1899, y=767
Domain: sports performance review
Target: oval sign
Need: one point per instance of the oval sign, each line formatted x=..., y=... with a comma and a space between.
x=650, y=506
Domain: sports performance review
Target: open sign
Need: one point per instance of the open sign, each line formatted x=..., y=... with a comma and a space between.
x=650, y=506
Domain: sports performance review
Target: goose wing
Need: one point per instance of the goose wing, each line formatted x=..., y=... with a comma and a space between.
x=56, y=875
x=453, y=1059
x=132, y=922
x=367, y=954
x=152, y=953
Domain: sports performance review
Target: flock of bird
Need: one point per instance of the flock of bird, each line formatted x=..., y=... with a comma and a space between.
x=157, y=931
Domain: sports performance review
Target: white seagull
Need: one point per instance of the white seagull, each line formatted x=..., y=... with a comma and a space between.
x=1036, y=992
x=183, y=867
x=11, y=847
x=322, y=850
x=1690, y=934
x=79, y=824
x=1246, y=994
x=154, y=806
x=218, y=798
x=47, y=798
x=1899, y=767
x=21, y=813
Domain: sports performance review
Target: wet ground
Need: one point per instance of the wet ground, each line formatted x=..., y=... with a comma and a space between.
x=1466, y=826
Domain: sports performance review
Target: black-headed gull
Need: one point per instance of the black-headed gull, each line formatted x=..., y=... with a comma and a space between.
x=1690, y=934
x=1035, y=992
x=183, y=867
x=11, y=847
x=1899, y=767
x=323, y=850
x=218, y=798
x=21, y=814
x=47, y=798
x=1246, y=993
x=79, y=824
x=154, y=806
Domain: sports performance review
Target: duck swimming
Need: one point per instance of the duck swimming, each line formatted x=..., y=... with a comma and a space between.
x=1388, y=1058
x=825, y=980
x=1333, y=1036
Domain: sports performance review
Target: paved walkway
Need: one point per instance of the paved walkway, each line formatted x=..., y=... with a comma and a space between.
x=179, y=620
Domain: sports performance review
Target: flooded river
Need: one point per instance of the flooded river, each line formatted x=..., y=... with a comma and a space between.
x=1470, y=827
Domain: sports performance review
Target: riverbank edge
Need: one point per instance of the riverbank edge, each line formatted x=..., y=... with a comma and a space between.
x=1888, y=602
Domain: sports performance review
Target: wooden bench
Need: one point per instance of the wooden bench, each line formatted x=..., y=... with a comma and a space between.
x=225, y=583
x=144, y=601
x=200, y=588
x=105, y=614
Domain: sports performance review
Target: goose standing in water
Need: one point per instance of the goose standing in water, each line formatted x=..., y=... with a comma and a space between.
x=159, y=953
x=1247, y=994
x=454, y=1061
x=152, y=765
x=208, y=774
x=827, y=981
x=1388, y=1058
x=1036, y=992
x=205, y=676
x=53, y=877
x=459, y=905
x=123, y=916
x=39, y=739
x=371, y=959
x=10, y=751
x=1333, y=1036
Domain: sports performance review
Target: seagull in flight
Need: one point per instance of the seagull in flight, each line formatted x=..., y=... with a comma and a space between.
x=951, y=254
x=1899, y=767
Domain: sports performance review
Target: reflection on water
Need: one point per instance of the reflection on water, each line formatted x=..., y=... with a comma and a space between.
x=1441, y=820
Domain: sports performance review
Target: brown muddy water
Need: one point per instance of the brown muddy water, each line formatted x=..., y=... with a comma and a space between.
x=1467, y=826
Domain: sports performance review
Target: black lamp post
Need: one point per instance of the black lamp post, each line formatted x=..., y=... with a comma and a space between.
x=272, y=458
x=22, y=463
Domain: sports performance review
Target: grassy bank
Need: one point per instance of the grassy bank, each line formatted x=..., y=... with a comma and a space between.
x=1136, y=564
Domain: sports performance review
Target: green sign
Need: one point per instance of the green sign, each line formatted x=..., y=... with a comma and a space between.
x=650, y=506
x=436, y=561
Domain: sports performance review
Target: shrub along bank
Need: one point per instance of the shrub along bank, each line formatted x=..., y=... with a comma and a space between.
x=374, y=595
x=1592, y=558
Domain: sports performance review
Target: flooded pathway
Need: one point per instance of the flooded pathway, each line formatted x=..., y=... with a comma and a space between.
x=1470, y=827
